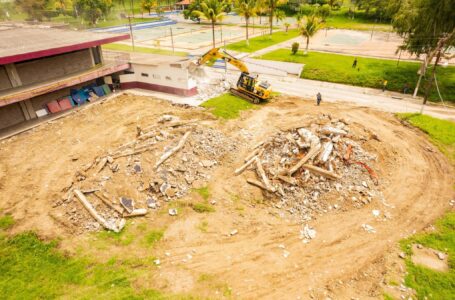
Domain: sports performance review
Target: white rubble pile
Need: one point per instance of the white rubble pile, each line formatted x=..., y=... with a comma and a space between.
x=310, y=171
x=207, y=86
x=142, y=173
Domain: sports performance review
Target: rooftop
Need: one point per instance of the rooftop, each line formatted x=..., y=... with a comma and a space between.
x=157, y=59
x=19, y=43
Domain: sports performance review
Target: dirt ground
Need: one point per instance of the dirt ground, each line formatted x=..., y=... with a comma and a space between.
x=266, y=258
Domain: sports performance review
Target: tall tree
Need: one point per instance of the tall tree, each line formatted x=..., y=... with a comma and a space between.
x=247, y=9
x=35, y=9
x=93, y=10
x=280, y=15
x=428, y=27
x=213, y=11
x=273, y=4
x=148, y=5
x=261, y=8
x=308, y=27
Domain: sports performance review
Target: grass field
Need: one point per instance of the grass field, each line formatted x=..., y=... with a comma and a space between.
x=427, y=283
x=227, y=106
x=262, y=42
x=128, y=48
x=340, y=19
x=441, y=132
x=431, y=284
x=371, y=72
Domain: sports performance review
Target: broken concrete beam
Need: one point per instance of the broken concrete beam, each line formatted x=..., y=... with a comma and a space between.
x=101, y=165
x=332, y=130
x=136, y=212
x=321, y=172
x=93, y=212
x=314, y=150
x=287, y=179
x=264, y=178
x=242, y=168
x=169, y=153
x=256, y=183
x=109, y=203
x=326, y=151
x=252, y=154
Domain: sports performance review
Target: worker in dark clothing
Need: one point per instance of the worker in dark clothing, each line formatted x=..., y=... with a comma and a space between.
x=318, y=98
x=354, y=64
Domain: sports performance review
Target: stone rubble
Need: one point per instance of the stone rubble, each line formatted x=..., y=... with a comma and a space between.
x=128, y=180
x=335, y=173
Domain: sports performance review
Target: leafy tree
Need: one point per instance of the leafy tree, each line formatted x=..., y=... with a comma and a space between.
x=286, y=26
x=428, y=27
x=280, y=15
x=33, y=8
x=148, y=5
x=213, y=11
x=324, y=11
x=308, y=27
x=93, y=10
x=273, y=4
x=247, y=9
x=261, y=8
x=194, y=6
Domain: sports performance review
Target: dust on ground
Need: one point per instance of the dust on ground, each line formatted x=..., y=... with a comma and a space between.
x=249, y=247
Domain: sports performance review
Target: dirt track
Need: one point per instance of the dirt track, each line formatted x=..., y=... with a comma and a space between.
x=343, y=261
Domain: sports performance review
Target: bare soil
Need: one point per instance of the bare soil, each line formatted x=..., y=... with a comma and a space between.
x=266, y=258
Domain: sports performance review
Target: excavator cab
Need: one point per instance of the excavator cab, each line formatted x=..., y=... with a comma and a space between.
x=248, y=86
x=256, y=90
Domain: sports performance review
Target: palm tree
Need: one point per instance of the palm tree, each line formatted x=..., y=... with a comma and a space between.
x=308, y=26
x=280, y=15
x=272, y=4
x=247, y=9
x=261, y=8
x=213, y=11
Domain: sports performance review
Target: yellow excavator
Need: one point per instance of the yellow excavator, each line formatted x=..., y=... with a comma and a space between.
x=248, y=86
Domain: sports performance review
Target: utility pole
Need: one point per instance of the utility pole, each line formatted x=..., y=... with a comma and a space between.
x=131, y=31
x=172, y=40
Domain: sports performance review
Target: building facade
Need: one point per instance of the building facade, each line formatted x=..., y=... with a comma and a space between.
x=41, y=65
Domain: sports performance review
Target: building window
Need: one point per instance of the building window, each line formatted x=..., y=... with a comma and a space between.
x=156, y=76
x=144, y=75
x=176, y=66
x=168, y=78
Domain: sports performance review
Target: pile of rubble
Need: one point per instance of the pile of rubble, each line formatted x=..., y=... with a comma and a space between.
x=163, y=162
x=313, y=169
x=207, y=86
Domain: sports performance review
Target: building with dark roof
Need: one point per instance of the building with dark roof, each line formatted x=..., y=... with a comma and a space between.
x=39, y=65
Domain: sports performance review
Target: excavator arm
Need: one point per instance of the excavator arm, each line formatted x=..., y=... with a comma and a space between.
x=218, y=53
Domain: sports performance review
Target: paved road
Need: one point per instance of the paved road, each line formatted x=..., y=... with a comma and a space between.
x=331, y=92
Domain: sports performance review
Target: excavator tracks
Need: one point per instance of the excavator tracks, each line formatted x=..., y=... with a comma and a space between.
x=251, y=98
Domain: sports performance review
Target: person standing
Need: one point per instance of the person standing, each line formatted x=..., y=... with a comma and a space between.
x=384, y=85
x=354, y=64
x=405, y=88
x=318, y=98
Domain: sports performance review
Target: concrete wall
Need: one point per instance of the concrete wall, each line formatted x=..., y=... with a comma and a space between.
x=4, y=80
x=168, y=75
x=43, y=69
x=11, y=115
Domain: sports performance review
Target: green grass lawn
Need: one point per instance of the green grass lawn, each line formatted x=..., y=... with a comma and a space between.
x=441, y=132
x=427, y=283
x=431, y=284
x=372, y=73
x=340, y=19
x=262, y=42
x=129, y=48
x=227, y=106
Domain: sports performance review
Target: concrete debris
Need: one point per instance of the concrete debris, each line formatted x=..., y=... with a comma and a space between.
x=172, y=212
x=157, y=262
x=162, y=162
x=286, y=253
x=368, y=228
x=376, y=212
x=308, y=233
x=234, y=232
x=309, y=170
x=441, y=255
x=402, y=255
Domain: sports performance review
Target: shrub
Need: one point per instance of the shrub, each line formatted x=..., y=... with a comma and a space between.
x=295, y=48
